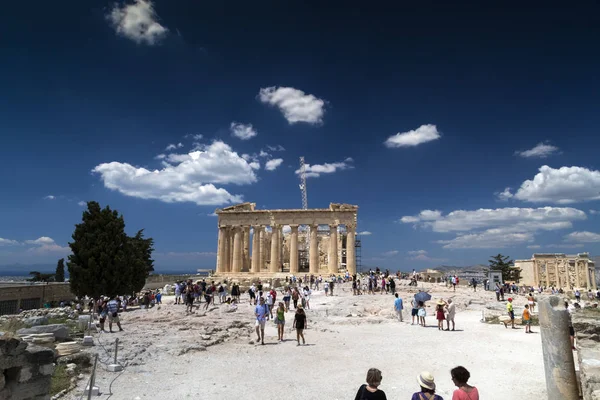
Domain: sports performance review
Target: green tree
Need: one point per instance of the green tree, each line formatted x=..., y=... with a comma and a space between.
x=104, y=260
x=59, y=276
x=39, y=277
x=505, y=265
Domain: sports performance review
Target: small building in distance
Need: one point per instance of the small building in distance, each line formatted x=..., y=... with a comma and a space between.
x=559, y=270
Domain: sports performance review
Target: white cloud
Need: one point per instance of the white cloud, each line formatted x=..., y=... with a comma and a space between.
x=295, y=105
x=504, y=195
x=417, y=252
x=277, y=147
x=564, y=185
x=314, y=171
x=160, y=157
x=534, y=246
x=517, y=219
x=421, y=255
x=272, y=165
x=173, y=147
x=49, y=197
x=264, y=154
x=255, y=165
x=82, y=204
x=564, y=246
x=41, y=240
x=242, y=131
x=390, y=253
x=542, y=150
x=495, y=228
x=365, y=233
x=196, y=136
x=186, y=254
x=582, y=237
x=594, y=212
x=8, y=242
x=191, y=180
x=489, y=239
x=423, y=134
x=213, y=214
x=137, y=22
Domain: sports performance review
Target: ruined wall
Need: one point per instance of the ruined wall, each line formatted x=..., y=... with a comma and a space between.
x=31, y=296
x=586, y=323
x=25, y=371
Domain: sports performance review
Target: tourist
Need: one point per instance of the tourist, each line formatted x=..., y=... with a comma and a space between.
x=371, y=285
x=300, y=323
x=451, y=311
x=497, y=292
x=252, y=293
x=571, y=329
x=261, y=313
x=287, y=295
x=274, y=295
x=235, y=292
x=269, y=303
x=531, y=302
x=113, y=314
x=326, y=288
x=383, y=285
x=398, y=307
x=527, y=319
x=189, y=298
x=460, y=377
x=577, y=295
x=354, y=287
x=392, y=285
x=422, y=313
x=474, y=284
x=306, y=298
x=158, y=298
x=511, y=312
x=208, y=297
x=222, y=294
x=370, y=391
x=440, y=314
x=427, y=384
x=590, y=295
x=280, y=321
x=102, y=312
x=295, y=297
x=331, y=284
x=454, y=282
x=415, y=310
x=177, y=293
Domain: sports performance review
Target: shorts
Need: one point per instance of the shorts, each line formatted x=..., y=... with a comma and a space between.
x=511, y=314
x=261, y=323
x=278, y=322
x=527, y=321
x=414, y=312
x=571, y=331
x=113, y=319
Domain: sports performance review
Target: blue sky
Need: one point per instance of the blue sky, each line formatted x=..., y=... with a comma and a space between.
x=460, y=131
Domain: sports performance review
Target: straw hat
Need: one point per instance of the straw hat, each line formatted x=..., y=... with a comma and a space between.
x=441, y=302
x=300, y=306
x=425, y=379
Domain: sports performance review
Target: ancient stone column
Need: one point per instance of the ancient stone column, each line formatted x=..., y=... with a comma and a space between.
x=274, y=249
x=556, y=273
x=221, y=249
x=594, y=278
x=225, y=264
x=313, y=251
x=231, y=235
x=561, y=382
x=237, y=251
x=263, y=252
x=350, y=249
x=256, y=249
x=547, y=275
x=577, y=284
x=247, y=248
x=587, y=276
x=536, y=273
x=294, y=249
x=333, y=249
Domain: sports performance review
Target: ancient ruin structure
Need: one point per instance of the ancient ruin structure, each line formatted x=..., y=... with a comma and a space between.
x=558, y=270
x=272, y=241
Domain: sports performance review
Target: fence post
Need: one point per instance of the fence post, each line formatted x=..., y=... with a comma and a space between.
x=91, y=389
x=115, y=366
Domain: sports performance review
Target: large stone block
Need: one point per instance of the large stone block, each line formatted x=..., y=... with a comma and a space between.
x=40, y=355
x=60, y=331
x=47, y=369
x=33, y=388
x=10, y=346
x=35, y=321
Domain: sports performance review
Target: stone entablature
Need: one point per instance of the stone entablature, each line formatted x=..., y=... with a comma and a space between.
x=237, y=252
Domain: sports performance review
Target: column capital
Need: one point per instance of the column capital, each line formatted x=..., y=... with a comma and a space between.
x=294, y=228
x=350, y=227
x=334, y=225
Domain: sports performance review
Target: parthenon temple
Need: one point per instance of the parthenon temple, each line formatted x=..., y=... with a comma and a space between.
x=558, y=270
x=273, y=241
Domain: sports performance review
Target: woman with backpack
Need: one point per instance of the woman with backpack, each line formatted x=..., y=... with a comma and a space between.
x=427, y=384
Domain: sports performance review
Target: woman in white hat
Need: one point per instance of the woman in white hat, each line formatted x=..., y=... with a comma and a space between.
x=427, y=383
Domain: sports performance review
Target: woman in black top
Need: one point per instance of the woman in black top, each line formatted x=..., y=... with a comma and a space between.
x=370, y=391
x=300, y=324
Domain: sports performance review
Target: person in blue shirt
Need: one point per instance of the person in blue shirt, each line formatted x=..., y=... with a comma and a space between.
x=262, y=314
x=398, y=307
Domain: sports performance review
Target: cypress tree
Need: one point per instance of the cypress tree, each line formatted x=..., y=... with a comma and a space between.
x=59, y=276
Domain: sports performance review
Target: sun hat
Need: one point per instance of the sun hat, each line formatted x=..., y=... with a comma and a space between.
x=510, y=299
x=425, y=380
x=299, y=306
x=441, y=302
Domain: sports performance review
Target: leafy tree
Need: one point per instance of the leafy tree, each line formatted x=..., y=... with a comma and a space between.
x=59, y=276
x=505, y=265
x=104, y=260
x=39, y=277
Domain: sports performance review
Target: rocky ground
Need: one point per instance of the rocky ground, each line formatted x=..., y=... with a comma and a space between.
x=167, y=352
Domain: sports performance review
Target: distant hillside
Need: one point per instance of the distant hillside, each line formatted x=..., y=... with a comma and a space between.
x=448, y=268
x=25, y=269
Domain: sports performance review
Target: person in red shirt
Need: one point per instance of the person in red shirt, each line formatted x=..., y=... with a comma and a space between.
x=460, y=376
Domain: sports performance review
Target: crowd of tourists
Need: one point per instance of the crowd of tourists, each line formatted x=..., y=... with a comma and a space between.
x=426, y=384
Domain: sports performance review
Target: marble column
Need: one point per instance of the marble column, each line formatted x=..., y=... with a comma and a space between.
x=350, y=249
x=294, y=249
x=556, y=274
x=274, y=267
x=221, y=249
x=333, y=249
x=313, y=250
x=246, y=262
x=577, y=284
x=536, y=273
x=256, y=249
x=594, y=278
x=237, y=251
x=547, y=274
x=587, y=275
x=263, y=252
x=231, y=235
x=226, y=256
